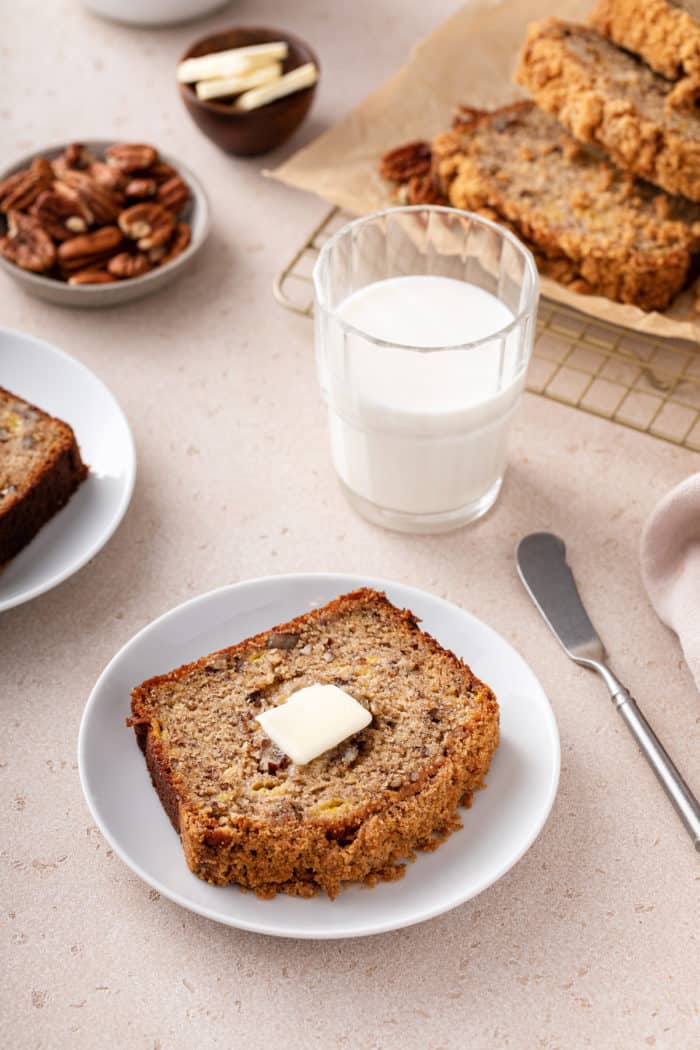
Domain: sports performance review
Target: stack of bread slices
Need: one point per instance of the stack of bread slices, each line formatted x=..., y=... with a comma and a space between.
x=600, y=172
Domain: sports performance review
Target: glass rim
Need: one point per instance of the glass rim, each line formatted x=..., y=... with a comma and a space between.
x=530, y=265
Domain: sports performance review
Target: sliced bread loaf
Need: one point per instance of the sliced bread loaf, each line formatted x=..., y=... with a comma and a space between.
x=606, y=97
x=625, y=238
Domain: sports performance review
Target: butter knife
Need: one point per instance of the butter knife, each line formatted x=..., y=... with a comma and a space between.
x=541, y=560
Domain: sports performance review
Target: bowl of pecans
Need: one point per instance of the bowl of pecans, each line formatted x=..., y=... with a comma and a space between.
x=98, y=223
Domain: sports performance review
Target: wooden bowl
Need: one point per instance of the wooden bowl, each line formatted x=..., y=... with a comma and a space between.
x=259, y=130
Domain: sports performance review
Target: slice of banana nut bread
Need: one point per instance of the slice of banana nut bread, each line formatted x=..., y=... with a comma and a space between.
x=665, y=33
x=247, y=815
x=425, y=189
x=40, y=469
x=626, y=239
x=606, y=97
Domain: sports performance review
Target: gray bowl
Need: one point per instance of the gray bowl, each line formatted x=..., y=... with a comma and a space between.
x=54, y=291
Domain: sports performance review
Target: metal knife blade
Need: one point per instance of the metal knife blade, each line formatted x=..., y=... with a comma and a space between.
x=541, y=561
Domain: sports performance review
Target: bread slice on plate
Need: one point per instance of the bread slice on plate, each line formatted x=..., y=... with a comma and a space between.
x=606, y=97
x=665, y=33
x=40, y=469
x=246, y=814
x=625, y=239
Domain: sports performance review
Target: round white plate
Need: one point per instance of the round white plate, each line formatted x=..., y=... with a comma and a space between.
x=503, y=822
x=62, y=386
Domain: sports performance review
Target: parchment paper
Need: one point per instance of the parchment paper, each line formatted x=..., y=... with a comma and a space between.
x=468, y=59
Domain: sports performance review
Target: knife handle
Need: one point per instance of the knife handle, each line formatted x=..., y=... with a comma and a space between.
x=683, y=799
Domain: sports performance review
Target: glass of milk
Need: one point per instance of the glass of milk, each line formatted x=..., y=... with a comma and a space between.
x=424, y=321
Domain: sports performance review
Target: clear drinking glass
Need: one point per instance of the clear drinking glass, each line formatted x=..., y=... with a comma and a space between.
x=422, y=378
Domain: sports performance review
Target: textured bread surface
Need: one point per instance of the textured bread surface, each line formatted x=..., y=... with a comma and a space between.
x=665, y=33
x=604, y=96
x=40, y=469
x=603, y=230
x=247, y=815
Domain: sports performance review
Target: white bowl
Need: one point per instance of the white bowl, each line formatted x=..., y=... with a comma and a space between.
x=94, y=295
x=152, y=12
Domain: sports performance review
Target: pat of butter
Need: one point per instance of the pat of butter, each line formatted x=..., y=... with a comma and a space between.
x=230, y=63
x=313, y=720
x=295, y=80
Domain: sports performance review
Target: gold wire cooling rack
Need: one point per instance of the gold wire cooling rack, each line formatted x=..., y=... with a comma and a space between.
x=639, y=381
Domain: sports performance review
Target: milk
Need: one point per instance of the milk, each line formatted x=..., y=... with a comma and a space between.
x=416, y=432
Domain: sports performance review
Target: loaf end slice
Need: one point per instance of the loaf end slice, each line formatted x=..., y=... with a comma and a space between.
x=40, y=469
x=665, y=33
x=605, y=97
x=247, y=815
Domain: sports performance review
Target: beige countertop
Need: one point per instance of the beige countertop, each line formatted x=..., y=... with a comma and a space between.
x=591, y=940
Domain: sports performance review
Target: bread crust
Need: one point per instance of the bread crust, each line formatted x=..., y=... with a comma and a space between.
x=42, y=486
x=568, y=71
x=660, y=32
x=302, y=853
x=619, y=238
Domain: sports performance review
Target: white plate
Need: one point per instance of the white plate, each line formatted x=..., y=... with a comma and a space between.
x=503, y=822
x=65, y=388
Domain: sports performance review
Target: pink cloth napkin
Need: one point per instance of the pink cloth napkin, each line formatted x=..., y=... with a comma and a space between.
x=670, y=553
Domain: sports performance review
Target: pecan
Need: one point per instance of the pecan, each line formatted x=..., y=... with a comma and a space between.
x=89, y=250
x=60, y=213
x=127, y=265
x=76, y=156
x=420, y=189
x=272, y=759
x=22, y=189
x=101, y=203
x=149, y=225
x=106, y=176
x=161, y=171
x=91, y=276
x=465, y=115
x=177, y=244
x=282, y=640
x=27, y=244
x=401, y=163
x=141, y=188
x=173, y=194
x=131, y=156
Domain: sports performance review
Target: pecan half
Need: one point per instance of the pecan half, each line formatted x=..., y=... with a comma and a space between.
x=91, y=277
x=22, y=189
x=149, y=225
x=76, y=156
x=176, y=246
x=127, y=265
x=27, y=244
x=60, y=213
x=465, y=115
x=101, y=203
x=161, y=171
x=108, y=177
x=89, y=250
x=141, y=188
x=173, y=194
x=420, y=189
x=131, y=156
x=403, y=162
